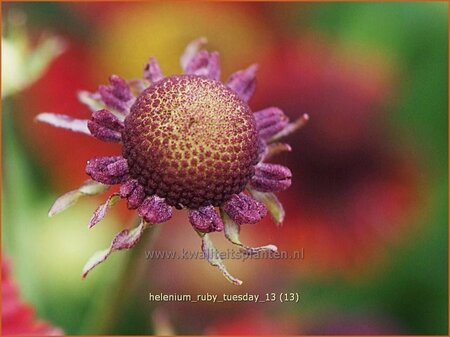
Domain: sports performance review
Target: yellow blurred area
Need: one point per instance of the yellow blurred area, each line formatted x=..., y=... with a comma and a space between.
x=60, y=266
x=163, y=29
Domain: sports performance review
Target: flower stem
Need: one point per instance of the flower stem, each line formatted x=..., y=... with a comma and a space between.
x=106, y=317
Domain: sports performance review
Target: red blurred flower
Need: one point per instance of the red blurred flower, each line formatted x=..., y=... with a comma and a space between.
x=354, y=185
x=329, y=323
x=18, y=317
x=254, y=323
x=57, y=91
x=353, y=324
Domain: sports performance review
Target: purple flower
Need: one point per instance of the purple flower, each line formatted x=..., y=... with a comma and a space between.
x=188, y=141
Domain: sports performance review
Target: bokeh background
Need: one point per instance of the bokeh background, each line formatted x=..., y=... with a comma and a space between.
x=368, y=204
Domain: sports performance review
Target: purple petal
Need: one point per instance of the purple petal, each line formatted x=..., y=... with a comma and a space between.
x=214, y=66
x=272, y=203
x=117, y=95
x=271, y=178
x=104, y=133
x=136, y=197
x=199, y=64
x=108, y=170
x=213, y=256
x=155, y=210
x=128, y=187
x=243, y=209
x=205, y=64
x=112, y=101
x=107, y=119
x=290, y=128
x=65, y=122
x=70, y=198
x=270, y=121
x=152, y=71
x=243, y=82
x=123, y=240
x=118, y=168
x=134, y=192
x=232, y=230
x=190, y=51
x=206, y=220
x=100, y=212
x=120, y=88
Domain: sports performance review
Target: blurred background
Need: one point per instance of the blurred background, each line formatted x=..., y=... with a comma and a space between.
x=369, y=200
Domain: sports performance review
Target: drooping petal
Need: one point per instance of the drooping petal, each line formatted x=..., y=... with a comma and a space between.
x=117, y=95
x=136, y=197
x=191, y=50
x=92, y=100
x=70, y=198
x=206, y=220
x=134, y=192
x=107, y=119
x=65, y=122
x=271, y=178
x=213, y=256
x=290, y=128
x=155, y=210
x=108, y=170
x=270, y=121
x=125, y=239
x=272, y=203
x=243, y=209
x=103, y=133
x=100, y=212
x=152, y=71
x=106, y=126
x=128, y=187
x=275, y=148
x=232, y=230
x=243, y=82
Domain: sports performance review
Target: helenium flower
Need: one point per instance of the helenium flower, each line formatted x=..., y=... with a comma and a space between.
x=188, y=141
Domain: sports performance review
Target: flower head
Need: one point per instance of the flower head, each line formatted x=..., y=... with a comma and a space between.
x=188, y=141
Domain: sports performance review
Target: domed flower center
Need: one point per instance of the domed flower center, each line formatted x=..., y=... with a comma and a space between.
x=190, y=140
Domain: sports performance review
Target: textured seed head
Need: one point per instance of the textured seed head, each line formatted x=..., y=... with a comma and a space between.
x=191, y=140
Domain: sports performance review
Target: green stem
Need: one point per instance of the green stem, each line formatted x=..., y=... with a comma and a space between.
x=105, y=318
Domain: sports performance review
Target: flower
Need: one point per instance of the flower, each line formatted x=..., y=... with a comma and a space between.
x=17, y=317
x=188, y=141
x=358, y=188
x=254, y=322
x=352, y=323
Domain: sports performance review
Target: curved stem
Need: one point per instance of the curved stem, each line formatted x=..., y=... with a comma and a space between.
x=106, y=315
